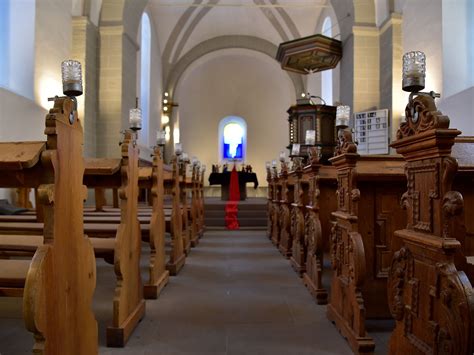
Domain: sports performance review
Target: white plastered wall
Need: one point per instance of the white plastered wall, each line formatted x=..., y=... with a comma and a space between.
x=241, y=83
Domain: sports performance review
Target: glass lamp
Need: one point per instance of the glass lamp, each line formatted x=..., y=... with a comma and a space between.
x=161, y=138
x=414, y=69
x=343, y=114
x=135, y=119
x=178, y=149
x=72, y=77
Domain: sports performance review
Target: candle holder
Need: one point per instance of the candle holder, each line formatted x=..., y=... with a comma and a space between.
x=343, y=114
x=282, y=157
x=135, y=119
x=414, y=69
x=178, y=149
x=161, y=138
x=72, y=78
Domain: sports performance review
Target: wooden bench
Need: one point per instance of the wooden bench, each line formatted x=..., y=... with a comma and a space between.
x=57, y=296
x=361, y=245
x=123, y=246
x=430, y=298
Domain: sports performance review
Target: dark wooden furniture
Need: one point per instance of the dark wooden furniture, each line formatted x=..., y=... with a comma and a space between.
x=431, y=299
x=223, y=179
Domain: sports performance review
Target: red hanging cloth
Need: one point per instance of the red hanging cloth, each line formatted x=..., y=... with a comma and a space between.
x=231, y=208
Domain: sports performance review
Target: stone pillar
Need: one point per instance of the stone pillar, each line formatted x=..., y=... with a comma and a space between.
x=366, y=67
x=391, y=52
x=85, y=49
x=117, y=89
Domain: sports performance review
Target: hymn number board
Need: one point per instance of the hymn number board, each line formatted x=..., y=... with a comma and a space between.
x=372, y=131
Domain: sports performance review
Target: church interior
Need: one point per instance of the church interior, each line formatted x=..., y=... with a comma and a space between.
x=236, y=177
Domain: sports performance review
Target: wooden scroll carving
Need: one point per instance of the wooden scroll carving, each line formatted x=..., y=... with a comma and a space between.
x=313, y=239
x=284, y=244
x=128, y=304
x=177, y=257
x=298, y=254
x=346, y=306
x=158, y=275
x=431, y=300
x=61, y=280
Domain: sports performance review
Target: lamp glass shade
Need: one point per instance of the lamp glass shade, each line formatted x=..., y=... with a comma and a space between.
x=135, y=118
x=71, y=71
x=414, y=70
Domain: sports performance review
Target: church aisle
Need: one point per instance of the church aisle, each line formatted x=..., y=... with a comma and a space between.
x=236, y=295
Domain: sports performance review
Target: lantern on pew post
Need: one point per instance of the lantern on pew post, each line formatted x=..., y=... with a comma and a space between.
x=161, y=141
x=135, y=118
x=71, y=73
x=413, y=80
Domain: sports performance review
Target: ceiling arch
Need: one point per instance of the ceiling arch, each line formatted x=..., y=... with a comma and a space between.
x=226, y=42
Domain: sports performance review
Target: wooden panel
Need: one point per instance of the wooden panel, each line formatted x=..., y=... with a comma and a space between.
x=101, y=166
x=128, y=304
x=57, y=302
x=430, y=299
x=158, y=275
x=20, y=155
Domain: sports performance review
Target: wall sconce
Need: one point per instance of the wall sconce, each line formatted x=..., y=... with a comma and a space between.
x=165, y=119
x=168, y=105
x=167, y=133
x=135, y=118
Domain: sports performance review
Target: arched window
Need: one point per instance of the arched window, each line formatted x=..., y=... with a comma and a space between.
x=232, y=138
x=17, y=46
x=145, y=59
x=326, y=76
x=4, y=42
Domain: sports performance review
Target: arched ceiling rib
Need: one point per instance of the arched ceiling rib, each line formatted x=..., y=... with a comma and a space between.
x=226, y=42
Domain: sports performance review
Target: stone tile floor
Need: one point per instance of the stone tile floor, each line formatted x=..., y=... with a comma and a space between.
x=236, y=295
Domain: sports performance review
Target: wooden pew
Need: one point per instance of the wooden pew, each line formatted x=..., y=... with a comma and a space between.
x=276, y=201
x=368, y=212
x=319, y=204
x=183, y=196
x=287, y=182
x=128, y=302
x=200, y=201
x=431, y=300
x=60, y=279
x=177, y=256
x=123, y=240
x=270, y=194
x=158, y=275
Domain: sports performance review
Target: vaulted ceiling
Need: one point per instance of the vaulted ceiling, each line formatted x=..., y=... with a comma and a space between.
x=183, y=24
